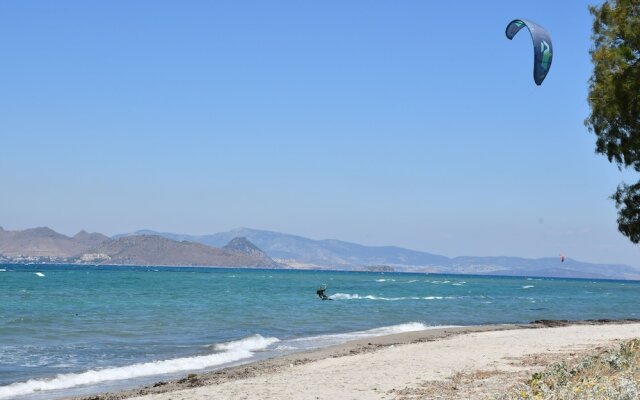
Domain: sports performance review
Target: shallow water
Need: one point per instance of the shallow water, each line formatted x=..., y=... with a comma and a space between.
x=143, y=322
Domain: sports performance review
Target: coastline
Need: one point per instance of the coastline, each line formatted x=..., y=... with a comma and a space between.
x=465, y=353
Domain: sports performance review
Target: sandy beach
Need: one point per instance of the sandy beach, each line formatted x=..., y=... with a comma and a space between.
x=467, y=362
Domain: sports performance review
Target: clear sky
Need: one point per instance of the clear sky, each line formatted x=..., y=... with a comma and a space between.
x=412, y=123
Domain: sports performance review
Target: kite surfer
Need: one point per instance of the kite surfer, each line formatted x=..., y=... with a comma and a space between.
x=320, y=292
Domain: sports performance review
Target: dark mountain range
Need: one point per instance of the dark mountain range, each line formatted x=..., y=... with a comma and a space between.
x=45, y=242
x=46, y=245
x=157, y=250
x=542, y=267
x=326, y=252
x=242, y=247
x=89, y=239
x=344, y=255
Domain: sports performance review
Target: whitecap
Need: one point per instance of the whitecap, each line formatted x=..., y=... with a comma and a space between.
x=528, y=286
x=40, y=274
x=230, y=352
x=348, y=296
x=332, y=339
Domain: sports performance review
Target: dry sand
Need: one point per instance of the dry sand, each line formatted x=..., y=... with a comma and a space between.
x=470, y=363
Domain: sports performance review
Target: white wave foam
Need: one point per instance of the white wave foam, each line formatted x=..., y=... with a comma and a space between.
x=39, y=274
x=284, y=347
x=385, y=280
x=3, y=270
x=413, y=280
x=232, y=351
x=528, y=286
x=251, y=343
x=348, y=296
x=328, y=340
x=401, y=328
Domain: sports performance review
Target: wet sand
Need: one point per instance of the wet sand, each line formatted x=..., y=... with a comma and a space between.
x=464, y=362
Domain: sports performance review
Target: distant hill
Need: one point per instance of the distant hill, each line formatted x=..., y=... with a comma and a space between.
x=45, y=242
x=89, y=239
x=241, y=245
x=157, y=250
x=258, y=248
x=326, y=252
x=330, y=253
x=542, y=267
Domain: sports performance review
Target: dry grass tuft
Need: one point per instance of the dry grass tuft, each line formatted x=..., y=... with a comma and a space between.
x=610, y=374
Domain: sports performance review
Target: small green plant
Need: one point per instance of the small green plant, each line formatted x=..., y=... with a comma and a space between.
x=612, y=374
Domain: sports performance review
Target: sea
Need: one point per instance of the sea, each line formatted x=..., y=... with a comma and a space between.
x=68, y=330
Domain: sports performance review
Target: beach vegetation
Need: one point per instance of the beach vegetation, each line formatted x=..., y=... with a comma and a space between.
x=611, y=374
x=614, y=98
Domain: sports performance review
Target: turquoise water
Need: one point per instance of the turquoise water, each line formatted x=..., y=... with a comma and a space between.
x=146, y=322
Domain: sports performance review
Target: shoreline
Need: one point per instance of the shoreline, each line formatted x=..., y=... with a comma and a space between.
x=281, y=365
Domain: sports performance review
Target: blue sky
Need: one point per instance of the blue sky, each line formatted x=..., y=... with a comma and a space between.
x=414, y=123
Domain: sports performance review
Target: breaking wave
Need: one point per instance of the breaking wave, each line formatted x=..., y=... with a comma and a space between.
x=229, y=352
x=348, y=296
x=311, y=342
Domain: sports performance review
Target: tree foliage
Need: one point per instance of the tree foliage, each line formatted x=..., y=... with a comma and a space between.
x=614, y=97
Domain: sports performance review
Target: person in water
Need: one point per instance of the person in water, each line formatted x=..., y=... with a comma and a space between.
x=320, y=292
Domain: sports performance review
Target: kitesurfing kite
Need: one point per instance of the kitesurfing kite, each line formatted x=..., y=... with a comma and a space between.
x=542, y=48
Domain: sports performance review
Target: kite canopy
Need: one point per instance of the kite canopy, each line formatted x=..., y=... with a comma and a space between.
x=542, y=48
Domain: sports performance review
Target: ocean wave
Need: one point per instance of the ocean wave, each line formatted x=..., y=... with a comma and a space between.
x=528, y=286
x=385, y=280
x=230, y=352
x=251, y=343
x=306, y=343
x=40, y=274
x=400, y=328
x=348, y=296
